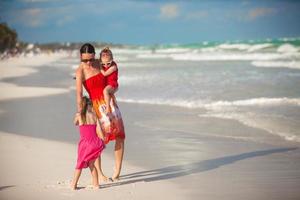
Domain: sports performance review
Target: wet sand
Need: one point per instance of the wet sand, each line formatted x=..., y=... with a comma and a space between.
x=170, y=152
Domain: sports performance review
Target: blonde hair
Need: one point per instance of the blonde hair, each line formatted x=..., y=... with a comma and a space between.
x=106, y=50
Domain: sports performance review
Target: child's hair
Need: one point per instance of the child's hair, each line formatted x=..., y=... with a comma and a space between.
x=106, y=50
x=85, y=103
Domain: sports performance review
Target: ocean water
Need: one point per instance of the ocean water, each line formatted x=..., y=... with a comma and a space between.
x=256, y=83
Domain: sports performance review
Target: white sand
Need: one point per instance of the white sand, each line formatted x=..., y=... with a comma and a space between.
x=21, y=66
x=39, y=169
x=11, y=91
x=24, y=65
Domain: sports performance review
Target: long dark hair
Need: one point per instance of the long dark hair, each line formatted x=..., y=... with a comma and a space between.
x=85, y=103
x=87, y=48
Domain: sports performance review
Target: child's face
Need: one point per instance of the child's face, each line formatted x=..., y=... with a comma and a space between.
x=105, y=57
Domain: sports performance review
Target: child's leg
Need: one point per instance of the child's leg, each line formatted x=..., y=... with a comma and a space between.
x=75, y=179
x=94, y=173
x=107, y=92
x=101, y=175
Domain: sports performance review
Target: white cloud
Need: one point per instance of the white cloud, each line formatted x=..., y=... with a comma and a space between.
x=169, y=11
x=246, y=15
x=35, y=1
x=32, y=17
x=66, y=19
x=197, y=15
x=37, y=17
x=245, y=3
x=260, y=12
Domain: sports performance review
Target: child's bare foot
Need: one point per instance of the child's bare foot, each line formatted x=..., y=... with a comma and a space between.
x=73, y=186
x=115, y=178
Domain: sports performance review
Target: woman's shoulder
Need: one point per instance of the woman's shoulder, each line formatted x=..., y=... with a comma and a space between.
x=79, y=70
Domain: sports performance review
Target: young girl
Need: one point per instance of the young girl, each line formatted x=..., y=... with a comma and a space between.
x=110, y=70
x=90, y=144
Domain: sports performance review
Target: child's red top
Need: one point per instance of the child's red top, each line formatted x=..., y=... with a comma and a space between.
x=112, y=79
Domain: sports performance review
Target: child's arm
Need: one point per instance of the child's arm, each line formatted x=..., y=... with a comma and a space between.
x=77, y=119
x=109, y=71
x=99, y=130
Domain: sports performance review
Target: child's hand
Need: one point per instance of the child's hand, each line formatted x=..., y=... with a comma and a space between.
x=76, y=119
x=100, y=135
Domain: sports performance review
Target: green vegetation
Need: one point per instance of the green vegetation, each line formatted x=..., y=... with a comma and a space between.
x=8, y=38
x=10, y=45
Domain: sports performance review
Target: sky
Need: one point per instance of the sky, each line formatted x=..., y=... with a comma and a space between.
x=144, y=22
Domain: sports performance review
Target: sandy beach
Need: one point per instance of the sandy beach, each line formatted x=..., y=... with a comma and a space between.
x=37, y=168
x=170, y=152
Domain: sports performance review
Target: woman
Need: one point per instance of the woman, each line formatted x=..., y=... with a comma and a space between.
x=89, y=76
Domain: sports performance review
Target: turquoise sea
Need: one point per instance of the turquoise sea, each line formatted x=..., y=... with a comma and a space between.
x=255, y=83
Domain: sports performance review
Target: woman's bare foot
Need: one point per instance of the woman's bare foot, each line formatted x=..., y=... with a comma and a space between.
x=103, y=179
x=95, y=187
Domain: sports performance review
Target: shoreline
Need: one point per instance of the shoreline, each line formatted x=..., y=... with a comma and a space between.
x=169, y=150
x=218, y=165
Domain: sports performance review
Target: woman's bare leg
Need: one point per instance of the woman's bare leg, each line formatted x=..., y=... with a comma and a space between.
x=119, y=152
x=75, y=179
x=101, y=176
x=94, y=173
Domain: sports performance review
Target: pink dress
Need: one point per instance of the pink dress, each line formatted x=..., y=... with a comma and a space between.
x=90, y=146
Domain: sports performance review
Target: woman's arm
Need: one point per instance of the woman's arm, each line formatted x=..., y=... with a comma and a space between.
x=109, y=71
x=79, y=78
